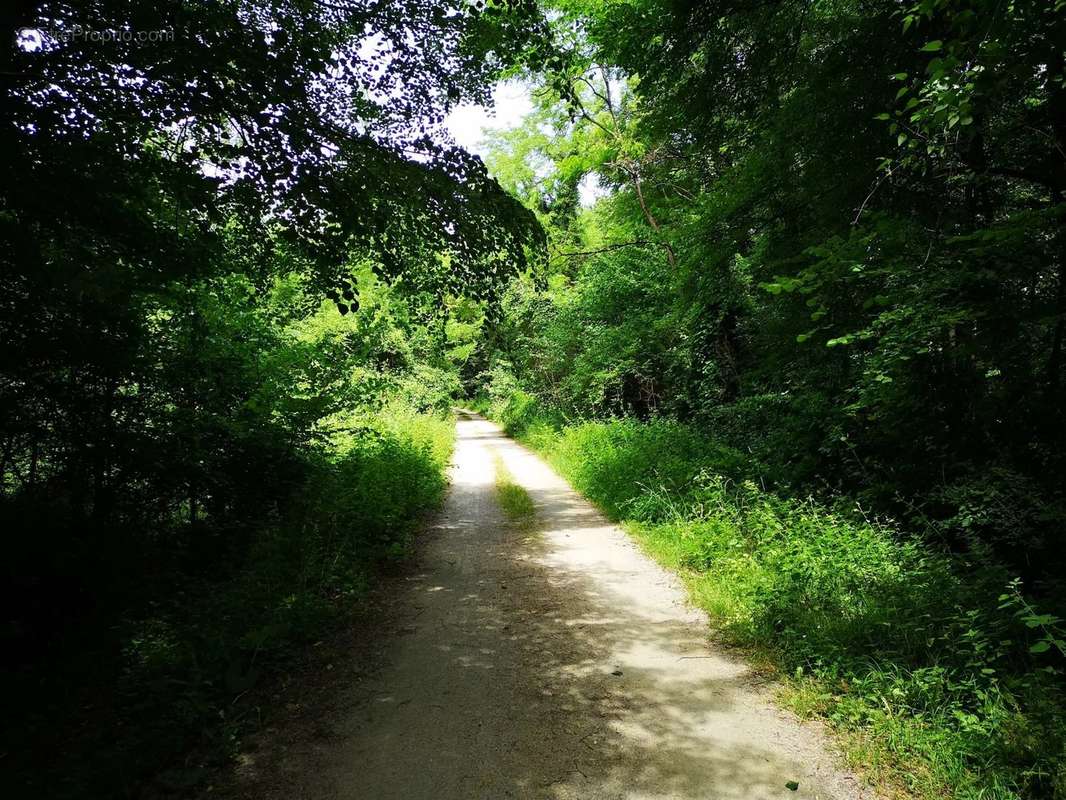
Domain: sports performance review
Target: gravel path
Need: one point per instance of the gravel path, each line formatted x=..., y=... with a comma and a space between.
x=555, y=661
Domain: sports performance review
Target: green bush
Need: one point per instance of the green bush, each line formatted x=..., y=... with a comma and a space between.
x=517, y=413
x=362, y=499
x=619, y=463
x=210, y=635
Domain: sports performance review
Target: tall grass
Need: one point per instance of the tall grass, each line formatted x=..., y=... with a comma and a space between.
x=940, y=675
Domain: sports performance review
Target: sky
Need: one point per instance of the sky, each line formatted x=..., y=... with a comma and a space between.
x=468, y=123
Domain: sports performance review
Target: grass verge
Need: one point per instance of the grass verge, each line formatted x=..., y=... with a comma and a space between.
x=939, y=675
x=513, y=499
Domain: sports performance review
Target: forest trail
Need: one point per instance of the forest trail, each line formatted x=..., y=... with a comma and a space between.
x=550, y=661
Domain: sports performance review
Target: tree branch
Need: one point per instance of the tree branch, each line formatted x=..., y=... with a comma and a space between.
x=607, y=249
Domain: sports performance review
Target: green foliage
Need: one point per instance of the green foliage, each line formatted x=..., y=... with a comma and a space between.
x=832, y=238
x=256, y=118
x=199, y=649
x=520, y=414
x=270, y=453
x=622, y=459
x=943, y=673
x=830, y=260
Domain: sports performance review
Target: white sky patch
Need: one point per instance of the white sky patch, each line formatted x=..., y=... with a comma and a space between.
x=468, y=123
x=590, y=190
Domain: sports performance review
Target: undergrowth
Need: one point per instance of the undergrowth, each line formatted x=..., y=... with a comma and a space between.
x=942, y=678
x=183, y=665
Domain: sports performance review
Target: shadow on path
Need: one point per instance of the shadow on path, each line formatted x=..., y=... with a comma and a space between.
x=557, y=663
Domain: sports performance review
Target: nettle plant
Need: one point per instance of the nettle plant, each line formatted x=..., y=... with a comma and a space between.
x=1050, y=636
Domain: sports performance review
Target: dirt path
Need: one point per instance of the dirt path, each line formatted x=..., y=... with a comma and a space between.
x=557, y=662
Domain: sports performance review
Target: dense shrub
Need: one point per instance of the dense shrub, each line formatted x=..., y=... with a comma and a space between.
x=184, y=657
